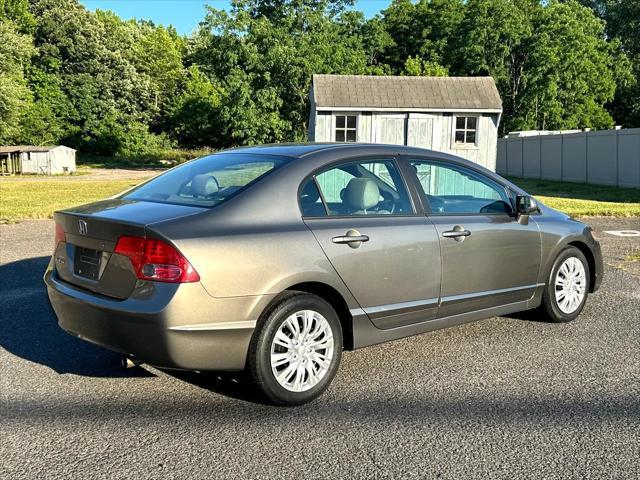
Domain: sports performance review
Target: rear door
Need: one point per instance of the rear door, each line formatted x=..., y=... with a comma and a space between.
x=488, y=258
x=386, y=253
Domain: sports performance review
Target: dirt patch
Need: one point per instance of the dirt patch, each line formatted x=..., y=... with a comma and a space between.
x=84, y=174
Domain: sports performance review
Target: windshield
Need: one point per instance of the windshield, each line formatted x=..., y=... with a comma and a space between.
x=207, y=181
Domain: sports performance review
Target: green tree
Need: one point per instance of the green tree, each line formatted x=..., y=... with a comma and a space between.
x=158, y=54
x=17, y=11
x=90, y=56
x=15, y=97
x=427, y=29
x=494, y=39
x=570, y=74
x=264, y=60
x=44, y=121
x=102, y=84
x=417, y=67
x=622, y=19
x=193, y=115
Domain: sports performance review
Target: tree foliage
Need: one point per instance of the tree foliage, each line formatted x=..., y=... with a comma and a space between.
x=622, y=18
x=109, y=86
x=15, y=51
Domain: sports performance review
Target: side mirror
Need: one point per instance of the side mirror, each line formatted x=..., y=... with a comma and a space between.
x=525, y=205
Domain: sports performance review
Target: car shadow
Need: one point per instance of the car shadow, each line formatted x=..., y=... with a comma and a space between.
x=236, y=385
x=29, y=328
x=534, y=315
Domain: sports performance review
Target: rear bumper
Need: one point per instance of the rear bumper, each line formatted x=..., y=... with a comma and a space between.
x=165, y=325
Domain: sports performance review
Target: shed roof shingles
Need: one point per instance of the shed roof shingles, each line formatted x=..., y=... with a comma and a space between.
x=27, y=148
x=360, y=91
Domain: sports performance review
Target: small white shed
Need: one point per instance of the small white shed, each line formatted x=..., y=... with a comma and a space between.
x=457, y=115
x=45, y=160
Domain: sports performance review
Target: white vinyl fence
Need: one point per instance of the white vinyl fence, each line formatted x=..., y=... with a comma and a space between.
x=608, y=157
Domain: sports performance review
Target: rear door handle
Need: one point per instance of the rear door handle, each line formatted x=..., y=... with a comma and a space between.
x=353, y=238
x=458, y=233
x=347, y=239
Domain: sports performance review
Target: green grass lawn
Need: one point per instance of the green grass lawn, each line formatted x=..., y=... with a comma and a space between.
x=40, y=198
x=581, y=200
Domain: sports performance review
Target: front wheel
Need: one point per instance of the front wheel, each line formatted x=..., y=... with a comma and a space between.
x=296, y=349
x=567, y=287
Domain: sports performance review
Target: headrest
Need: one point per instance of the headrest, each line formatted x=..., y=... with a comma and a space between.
x=204, y=185
x=310, y=193
x=361, y=193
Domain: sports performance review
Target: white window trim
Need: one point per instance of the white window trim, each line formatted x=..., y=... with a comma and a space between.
x=342, y=114
x=465, y=146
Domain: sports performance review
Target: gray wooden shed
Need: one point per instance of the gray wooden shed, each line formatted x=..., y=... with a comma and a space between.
x=43, y=160
x=458, y=115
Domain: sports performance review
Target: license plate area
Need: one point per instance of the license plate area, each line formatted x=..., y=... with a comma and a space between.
x=87, y=263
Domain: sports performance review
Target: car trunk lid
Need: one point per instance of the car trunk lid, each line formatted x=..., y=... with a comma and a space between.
x=86, y=257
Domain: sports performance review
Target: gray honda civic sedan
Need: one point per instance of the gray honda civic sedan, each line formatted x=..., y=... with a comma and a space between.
x=275, y=259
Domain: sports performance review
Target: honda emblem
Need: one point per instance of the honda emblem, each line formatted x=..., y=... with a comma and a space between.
x=82, y=226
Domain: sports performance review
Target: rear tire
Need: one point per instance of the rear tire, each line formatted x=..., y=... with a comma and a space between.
x=296, y=349
x=567, y=287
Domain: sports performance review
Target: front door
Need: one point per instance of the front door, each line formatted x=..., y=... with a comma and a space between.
x=388, y=256
x=488, y=258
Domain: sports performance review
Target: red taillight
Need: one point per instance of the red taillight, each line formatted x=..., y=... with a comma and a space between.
x=60, y=236
x=156, y=260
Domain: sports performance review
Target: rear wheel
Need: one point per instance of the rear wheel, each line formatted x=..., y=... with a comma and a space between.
x=296, y=349
x=567, y=286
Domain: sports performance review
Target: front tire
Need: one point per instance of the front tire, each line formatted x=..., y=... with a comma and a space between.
x=296, y=349
x=567, y=286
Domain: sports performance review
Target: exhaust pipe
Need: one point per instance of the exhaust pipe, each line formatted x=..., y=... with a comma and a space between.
x=129, y=361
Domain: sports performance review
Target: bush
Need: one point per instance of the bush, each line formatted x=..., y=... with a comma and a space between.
x=157, y=159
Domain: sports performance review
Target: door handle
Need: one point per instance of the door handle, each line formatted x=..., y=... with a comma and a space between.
x=458, y=233
x=353, y=238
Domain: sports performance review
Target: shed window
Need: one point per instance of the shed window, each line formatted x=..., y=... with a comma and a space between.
x=346, y=128
x=466, y=130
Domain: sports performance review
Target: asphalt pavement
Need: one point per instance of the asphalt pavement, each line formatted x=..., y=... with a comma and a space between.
x=508, y=397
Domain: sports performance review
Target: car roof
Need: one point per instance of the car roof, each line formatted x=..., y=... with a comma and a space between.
x=295, y=150
x=319, y=153
x=299, y=150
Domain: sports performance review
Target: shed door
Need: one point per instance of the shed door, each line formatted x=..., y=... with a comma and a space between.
x=420, y=130
x=390, y=129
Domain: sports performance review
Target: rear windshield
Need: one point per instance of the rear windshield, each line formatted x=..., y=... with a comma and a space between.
x=207, y=181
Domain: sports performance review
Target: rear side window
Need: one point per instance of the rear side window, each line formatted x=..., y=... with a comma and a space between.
x=372, y=187
x=207, y=181
x=311, y=203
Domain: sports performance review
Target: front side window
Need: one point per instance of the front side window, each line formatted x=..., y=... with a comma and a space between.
x=346, y=126
x=207, y=181
x=451, y=189
x=357, y=188
x=466, y=130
